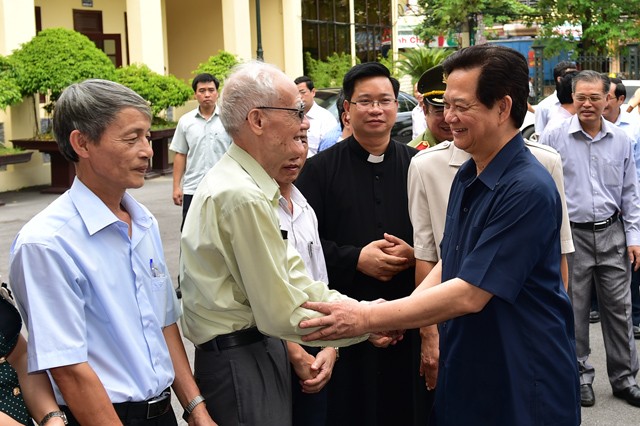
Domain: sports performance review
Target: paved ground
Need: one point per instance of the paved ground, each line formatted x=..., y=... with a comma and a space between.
x=156, y=195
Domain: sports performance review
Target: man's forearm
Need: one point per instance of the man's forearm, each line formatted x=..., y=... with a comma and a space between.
x=78, y=381
x=184, y=385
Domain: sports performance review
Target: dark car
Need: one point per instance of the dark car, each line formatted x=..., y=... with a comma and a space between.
x=401, y=131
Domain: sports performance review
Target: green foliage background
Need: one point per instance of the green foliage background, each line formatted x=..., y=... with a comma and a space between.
x=161, y=91
x=9, y=89
x=56, y=58
x=218, y=65
x=328, y=73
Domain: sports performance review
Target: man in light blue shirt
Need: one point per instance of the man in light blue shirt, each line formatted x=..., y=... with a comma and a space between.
x=603, y=203
x=90, y=276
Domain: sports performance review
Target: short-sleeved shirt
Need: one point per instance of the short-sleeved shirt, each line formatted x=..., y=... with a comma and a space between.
x=430, y=175
x=90, y=293
x=237, y=268
x=203, y=141
x=514, y=362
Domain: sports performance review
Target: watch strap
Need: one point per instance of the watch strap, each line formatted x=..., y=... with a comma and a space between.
x=191, y=406
x=53, y=414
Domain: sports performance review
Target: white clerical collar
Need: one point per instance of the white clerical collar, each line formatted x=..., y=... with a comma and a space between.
x=375, y=158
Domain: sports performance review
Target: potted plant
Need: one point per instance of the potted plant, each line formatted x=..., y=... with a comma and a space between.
x=45, y=65
x=162, y=92
x=10, y=95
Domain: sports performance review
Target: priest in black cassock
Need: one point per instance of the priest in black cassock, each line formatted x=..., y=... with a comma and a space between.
x=358, y=189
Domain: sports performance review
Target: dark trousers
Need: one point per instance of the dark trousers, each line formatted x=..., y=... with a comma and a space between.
x=246, y=385
x=635, y=297
x=167, y=419
x=186, y=202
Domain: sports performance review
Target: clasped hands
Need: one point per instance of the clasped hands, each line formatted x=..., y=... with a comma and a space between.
x=347, y=318
x=383, y=259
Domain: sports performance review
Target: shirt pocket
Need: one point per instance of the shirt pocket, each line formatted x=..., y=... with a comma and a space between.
x=159, y=283
x=612, y=172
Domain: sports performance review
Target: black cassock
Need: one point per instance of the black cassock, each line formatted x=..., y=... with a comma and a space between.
x=358, y=198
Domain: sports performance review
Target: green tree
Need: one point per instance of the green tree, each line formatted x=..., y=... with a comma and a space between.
x=447, y=17
x=415, y=62
x=56, y=58
x=605, y=24
x=218, y=65
x=9, y=89
x=161, y=91
x=328, y=73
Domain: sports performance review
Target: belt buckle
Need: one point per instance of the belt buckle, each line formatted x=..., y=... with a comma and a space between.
x=154, y=406
x=599, y=226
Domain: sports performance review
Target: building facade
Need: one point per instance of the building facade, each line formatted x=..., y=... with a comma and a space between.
x=175, y=36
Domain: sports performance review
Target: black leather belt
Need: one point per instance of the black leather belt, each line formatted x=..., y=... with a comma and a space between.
x=232, y=340
x=597, y=226
x=149, y=409
x=128, y=411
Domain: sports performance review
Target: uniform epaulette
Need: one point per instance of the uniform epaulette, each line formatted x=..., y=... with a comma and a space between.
x=439, y=147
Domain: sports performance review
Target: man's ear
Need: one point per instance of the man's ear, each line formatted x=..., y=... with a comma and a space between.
x=79, y=143
x=256, y=121
x=504, y=108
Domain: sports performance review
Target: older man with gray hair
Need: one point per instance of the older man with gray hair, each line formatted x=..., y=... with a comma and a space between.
x=242, y=284
x=90, y=277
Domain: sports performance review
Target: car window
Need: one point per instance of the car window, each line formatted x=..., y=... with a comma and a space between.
x=406, y=103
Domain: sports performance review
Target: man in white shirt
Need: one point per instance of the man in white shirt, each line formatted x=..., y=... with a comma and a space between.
x=321, y=121
x=550, y=104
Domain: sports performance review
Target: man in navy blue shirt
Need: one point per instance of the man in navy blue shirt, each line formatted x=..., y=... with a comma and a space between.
x=506, y=325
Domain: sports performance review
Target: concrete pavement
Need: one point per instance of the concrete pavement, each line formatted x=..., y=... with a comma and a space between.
x=156, y=195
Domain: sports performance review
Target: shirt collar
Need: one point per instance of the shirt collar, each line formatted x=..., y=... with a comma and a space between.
x=313, y=111
x=215, y=112
x=97, y=216
x=575, y=127
x=266, y=183
x=363, y=154
x=496, y=167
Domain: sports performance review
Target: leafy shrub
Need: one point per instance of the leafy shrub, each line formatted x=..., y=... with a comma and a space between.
x=161, y=91
x=9, y=89
x=56, y=58
x=218, y=65
x=328, y=73
x=416, y=61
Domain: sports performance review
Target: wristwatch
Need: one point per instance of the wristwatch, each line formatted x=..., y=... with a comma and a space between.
x=191, y=406
x=53, y=414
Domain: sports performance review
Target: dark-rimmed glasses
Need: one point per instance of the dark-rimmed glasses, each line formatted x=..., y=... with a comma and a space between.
x=366, y=105
x=299, y=111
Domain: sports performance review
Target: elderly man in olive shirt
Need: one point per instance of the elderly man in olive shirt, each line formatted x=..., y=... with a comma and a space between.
x=241, y=281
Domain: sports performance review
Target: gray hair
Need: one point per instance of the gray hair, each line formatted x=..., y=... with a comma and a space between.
x=590, y=76
x=250, y=85
x=90, y=107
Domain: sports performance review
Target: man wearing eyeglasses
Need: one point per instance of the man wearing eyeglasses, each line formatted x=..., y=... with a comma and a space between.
x=242, y=284
x=358, y=189
x=321, y=121
x=603, y=202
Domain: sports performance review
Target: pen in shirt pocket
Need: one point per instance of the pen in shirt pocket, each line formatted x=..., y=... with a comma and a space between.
x=154, y=270
x=310, y=248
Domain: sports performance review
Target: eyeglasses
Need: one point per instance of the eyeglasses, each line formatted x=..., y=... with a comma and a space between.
x=585, y=98
x=299, y=111
x=367, y=105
